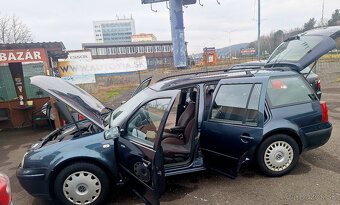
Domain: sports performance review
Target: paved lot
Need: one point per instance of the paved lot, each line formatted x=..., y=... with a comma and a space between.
x=315, y=180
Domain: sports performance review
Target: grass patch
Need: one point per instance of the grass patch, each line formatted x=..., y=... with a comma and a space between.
x=113, y=93
x=104, y=94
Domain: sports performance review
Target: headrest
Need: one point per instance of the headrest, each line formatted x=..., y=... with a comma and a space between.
x=193, y=96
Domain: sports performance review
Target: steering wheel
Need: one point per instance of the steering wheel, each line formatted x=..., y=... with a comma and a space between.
x=146, y=120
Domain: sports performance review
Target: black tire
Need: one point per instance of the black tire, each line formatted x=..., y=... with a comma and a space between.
x=82, y=167
x=277, y=156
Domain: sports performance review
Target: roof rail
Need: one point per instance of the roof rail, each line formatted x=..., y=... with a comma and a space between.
x=204, y=72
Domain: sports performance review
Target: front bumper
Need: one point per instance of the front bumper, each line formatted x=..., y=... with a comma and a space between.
x=34, y=181
x=318, y=137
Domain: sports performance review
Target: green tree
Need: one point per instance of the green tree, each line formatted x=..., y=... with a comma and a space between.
x=309, y=24
x=335, y=20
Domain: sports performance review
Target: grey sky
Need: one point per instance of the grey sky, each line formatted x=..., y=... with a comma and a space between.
x=70, y=21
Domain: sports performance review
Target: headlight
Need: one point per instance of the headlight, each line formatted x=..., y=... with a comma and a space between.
x=23, y=160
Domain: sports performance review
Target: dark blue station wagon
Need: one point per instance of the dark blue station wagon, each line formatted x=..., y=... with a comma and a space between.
x=181, y=124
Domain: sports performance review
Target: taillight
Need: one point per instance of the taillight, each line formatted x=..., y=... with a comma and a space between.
x=324, y=111
x=63, y=122
x=5, y=190
x=319, y=82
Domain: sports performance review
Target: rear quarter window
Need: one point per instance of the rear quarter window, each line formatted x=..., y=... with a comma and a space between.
x=289, y=90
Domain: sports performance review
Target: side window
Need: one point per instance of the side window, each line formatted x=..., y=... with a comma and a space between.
x=144, y=124
x=288, y=90
x=237, y=104
x=253, y=106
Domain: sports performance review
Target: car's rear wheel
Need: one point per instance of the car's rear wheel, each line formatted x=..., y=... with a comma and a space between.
x=277, y=155
x=81, y=183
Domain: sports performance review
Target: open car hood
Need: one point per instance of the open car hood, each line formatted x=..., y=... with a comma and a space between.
x=300, y=51
x=73, y=96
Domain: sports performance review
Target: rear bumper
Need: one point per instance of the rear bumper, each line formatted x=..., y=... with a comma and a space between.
x=319, y=137
x=34, y=181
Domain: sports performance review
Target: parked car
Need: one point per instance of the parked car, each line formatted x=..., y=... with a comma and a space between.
x=5, y=190
x=186, y=123
x=312, y=78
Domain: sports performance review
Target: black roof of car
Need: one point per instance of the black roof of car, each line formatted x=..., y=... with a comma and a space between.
x=189, y=79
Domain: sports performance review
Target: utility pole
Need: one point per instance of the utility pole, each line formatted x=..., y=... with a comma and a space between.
x=259, y=30
x=323, y=6
x=230, y=46
x=206, y=59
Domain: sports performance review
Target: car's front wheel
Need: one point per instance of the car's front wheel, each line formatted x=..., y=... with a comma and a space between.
x=81, y=183
x=277, y=155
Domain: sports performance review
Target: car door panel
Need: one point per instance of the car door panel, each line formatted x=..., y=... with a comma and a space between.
x=225, y=143
x=145, y=83
x=142, y=164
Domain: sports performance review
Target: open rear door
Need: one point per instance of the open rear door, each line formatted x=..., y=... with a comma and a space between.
x=234, y=123
x=143, y=85
x=139, y=147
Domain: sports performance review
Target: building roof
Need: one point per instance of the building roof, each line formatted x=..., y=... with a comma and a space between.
x=54, y=49
x=87, y=45
x=51, y=45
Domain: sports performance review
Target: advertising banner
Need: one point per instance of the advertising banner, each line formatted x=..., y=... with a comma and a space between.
x=101, y=66
x=79, y=56
x=22, y=55
x=80, y=79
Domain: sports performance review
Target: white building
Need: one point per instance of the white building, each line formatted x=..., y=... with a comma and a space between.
x=114, y=31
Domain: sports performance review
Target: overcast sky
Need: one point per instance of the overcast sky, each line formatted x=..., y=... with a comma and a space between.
x=70, y=21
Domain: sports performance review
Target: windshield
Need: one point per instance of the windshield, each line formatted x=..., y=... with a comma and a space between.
x=125, y=109
x=295, y=49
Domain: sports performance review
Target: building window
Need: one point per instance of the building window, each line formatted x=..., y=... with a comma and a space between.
x=123, y=50
x=93, y=51
x=159, y=48
x=102, y=51
x=112, y=50
x=166, y=61
x=167, y=48
x=149, y=49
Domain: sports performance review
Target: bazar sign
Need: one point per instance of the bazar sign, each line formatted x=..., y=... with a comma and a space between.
x=22, y=55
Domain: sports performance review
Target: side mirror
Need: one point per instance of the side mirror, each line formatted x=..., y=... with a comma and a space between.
x=112, y=133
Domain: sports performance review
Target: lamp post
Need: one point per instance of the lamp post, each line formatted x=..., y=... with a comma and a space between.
x=259, y=30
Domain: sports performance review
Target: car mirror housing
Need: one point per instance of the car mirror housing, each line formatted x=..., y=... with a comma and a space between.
x=112, y=133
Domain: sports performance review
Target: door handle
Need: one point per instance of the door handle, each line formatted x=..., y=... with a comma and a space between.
x=122, y=146
x=245, y=138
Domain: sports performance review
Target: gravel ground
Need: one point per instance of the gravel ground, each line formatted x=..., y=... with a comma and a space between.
x=315, y=180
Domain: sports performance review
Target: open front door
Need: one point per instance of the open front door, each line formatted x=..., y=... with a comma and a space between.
x=143, y=85
x=140, y=154
x=234, y=123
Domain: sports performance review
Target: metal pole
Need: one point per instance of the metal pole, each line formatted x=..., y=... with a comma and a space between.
x=206, y=59
x=323, y=6
x=177, y=33
x=259, y=31
x=229, y=47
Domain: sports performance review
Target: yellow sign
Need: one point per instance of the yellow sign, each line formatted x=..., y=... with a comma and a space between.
x=64, y=69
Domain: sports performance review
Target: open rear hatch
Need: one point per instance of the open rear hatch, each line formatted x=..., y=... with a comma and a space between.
x=300, y=51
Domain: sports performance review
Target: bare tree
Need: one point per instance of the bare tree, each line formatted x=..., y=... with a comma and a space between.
x=13, y=30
